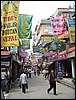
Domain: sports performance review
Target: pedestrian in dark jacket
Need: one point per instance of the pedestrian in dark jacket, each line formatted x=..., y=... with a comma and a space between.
x=51, y=78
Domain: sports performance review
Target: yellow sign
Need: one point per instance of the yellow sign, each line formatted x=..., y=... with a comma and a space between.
x=9, y=34
x=46, y=38
x=72, y=32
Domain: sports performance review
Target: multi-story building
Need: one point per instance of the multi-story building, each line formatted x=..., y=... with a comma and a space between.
x=44, y=32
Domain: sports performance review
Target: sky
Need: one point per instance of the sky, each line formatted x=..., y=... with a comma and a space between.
x=41, y=9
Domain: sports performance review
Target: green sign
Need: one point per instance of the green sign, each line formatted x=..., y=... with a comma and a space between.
x=25, y=44
x=24, y=26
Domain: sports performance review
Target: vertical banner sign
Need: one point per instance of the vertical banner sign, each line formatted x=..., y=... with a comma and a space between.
x=71, y=23
x=58, y=25
x=59, y=69
x=9, y=35
x=24, y=26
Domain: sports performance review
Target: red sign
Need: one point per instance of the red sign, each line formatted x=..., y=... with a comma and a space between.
x=58, y=25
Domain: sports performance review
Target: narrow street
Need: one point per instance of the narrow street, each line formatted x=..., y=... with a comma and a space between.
x=38, y=90
x=38, y=36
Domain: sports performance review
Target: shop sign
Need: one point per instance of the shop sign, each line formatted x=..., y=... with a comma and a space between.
x=36, y=49
x=59, y=70
x=5, y=63
x=71, y=23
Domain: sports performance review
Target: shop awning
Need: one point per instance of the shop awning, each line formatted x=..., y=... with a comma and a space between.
x=5, y=53
x=71, y=54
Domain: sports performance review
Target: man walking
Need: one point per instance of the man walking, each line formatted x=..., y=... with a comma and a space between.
x=23, y=81
x=51, y=78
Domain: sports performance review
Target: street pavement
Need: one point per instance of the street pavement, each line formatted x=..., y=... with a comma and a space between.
x=38, y=90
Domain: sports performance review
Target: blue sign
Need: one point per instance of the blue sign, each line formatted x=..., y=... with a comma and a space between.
x=36, y=49
x=71, y=22
x=59, y=69
x=5, y=62
x=3, y=66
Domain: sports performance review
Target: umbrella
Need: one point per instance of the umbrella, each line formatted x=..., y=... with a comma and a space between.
x=23, y=54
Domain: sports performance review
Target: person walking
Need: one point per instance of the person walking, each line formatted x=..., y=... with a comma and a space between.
x=23, y=82
x=51, y=78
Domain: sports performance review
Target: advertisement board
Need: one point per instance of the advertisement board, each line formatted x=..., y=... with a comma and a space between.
x=59, y=69
x=9, y=33
x=36, y=49
x=71, y=23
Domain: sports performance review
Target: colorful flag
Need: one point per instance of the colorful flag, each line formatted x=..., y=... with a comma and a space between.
x=9, y=33
x=58, y=25
x=24, y=26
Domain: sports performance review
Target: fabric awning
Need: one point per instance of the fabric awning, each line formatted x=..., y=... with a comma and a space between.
x=5, y=53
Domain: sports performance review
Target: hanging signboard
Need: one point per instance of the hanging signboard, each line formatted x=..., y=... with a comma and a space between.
x=71, y=23
x=5, y=62
x=36, y=49
x=58, y=25
x=9, y=33
x=25, y=44
x=59, y=69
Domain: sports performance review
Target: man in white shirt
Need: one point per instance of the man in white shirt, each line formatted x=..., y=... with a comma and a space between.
x=23, y=81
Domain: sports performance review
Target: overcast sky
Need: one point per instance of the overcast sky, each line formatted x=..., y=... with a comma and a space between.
x=41, y=9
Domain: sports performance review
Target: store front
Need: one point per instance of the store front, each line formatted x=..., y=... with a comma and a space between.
x=5, y=71
x=5, y=63
x=14, y=68
x=66, y=68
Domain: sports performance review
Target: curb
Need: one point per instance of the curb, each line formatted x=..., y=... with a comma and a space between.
x=66, y=83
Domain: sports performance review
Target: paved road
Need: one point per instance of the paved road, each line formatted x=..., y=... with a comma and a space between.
x=38, y=90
